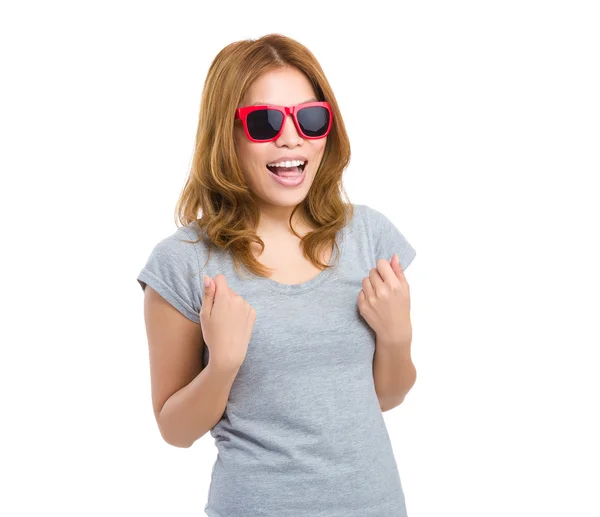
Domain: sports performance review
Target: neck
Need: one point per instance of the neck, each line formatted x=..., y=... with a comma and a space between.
x=274, y=220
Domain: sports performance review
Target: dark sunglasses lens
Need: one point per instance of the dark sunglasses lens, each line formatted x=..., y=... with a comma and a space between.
x=314, y=120
x=264, y=124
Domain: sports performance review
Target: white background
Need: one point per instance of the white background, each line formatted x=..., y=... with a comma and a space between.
x=474, y=128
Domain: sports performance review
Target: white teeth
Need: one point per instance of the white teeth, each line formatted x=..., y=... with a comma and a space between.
x=293, y=163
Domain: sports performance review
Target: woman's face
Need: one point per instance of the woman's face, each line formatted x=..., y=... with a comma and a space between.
x=285, y=87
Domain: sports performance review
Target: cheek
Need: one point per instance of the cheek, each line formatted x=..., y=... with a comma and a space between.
x=321, y=144
x=320, y=150
x=242, y=144
x=253, y=158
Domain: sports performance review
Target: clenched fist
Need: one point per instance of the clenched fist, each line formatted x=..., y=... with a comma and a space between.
x=227, y=321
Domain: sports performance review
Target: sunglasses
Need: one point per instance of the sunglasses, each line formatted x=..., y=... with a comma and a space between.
x=266, y=123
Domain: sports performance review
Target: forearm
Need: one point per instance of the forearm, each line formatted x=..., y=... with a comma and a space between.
x=394, y=373
x=193, y=410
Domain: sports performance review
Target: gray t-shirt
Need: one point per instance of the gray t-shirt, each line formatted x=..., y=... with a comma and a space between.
x=302, y=433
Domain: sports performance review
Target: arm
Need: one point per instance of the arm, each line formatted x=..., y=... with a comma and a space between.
x=394, y=373
x=393, y=370
x=187, y=399
x=194, y=410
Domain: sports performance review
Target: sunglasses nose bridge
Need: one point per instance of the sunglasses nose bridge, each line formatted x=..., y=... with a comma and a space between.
x=289, y=122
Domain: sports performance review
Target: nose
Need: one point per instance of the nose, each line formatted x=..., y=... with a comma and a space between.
x=289, y=135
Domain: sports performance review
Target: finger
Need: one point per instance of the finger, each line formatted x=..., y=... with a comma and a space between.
x=397, y=268
x=208, y=295
x=376, y=280
x=221, y=289
x=386, y=271
x=367, y=287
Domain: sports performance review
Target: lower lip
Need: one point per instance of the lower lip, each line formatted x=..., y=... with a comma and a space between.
x=292, y=182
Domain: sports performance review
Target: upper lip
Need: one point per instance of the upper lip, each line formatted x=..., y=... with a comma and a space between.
x=288, y=159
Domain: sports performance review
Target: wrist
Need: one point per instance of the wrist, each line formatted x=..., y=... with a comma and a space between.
x=222, y=366
x=401, y=345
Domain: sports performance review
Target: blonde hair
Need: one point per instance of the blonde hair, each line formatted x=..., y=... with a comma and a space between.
x=216, y=184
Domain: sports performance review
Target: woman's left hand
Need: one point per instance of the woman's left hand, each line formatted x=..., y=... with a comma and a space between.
x=384, y=302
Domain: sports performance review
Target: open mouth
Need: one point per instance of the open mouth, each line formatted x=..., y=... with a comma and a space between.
x=287, y=171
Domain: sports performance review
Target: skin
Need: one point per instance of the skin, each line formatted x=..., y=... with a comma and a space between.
x=286, y=87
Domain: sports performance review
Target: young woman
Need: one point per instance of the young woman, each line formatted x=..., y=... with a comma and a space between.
x=287, y=356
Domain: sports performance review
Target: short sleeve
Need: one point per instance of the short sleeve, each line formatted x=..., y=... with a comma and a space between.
x=173, y=271
x=389, y=240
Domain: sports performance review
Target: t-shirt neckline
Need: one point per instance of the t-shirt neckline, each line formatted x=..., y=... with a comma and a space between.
x=292, y=289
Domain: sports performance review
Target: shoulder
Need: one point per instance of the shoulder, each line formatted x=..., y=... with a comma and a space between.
x=366, y=220
x=173, y=269
x=360, y=214
x=372, y=216
x=376, y=221
x=365, y=213
x=384, y=235
x=183, y=244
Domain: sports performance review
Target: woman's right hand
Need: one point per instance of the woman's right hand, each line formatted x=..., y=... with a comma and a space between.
x=227, y=321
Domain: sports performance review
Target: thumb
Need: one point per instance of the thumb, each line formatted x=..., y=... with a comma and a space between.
x=209, y=291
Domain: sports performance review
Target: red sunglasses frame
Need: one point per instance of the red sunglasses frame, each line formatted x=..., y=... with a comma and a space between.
x=242, y=114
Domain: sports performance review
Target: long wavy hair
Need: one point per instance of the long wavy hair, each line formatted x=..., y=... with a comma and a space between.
x=216, y=185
